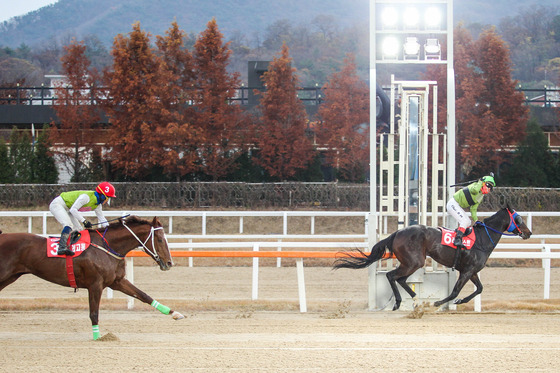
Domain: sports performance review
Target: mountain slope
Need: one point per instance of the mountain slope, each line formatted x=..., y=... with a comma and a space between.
x=107, y=18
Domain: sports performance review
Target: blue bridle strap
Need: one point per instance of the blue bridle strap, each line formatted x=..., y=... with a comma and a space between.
x=512, y=224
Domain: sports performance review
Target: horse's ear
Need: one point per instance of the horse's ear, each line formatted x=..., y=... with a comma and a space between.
x=156, y=222
x=508, y=206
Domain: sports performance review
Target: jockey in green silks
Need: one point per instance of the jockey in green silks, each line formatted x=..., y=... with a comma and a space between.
x=67, y=208
x=469, y=197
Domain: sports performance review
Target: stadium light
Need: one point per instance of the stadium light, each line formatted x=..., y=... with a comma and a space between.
x=432, y=18
x=411, y=48
x=432, y=50
x=390, y=48
x=411, y=18
x=389, y=18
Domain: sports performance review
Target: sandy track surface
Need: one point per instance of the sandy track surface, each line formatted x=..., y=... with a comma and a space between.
x=337, y=335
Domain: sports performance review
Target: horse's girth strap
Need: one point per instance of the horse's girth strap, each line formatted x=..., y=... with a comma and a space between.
x=70, y=272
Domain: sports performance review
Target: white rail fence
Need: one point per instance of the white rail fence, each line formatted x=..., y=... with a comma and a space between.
x=547, y=249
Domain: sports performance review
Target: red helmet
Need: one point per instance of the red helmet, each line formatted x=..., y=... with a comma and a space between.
x=106, y=189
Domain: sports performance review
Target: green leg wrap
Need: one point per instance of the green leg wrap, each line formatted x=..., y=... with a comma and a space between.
x=160, y=307
x=96, y=333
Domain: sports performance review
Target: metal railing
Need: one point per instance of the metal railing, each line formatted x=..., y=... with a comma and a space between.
x=45, y=95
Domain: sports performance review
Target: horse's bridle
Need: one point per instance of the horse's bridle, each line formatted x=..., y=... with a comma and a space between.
x=152, y=235
x=511, y=228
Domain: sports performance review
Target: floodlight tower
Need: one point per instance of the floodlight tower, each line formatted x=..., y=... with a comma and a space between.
x=409, y=32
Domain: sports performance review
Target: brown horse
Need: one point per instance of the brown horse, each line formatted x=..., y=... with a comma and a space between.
x=412, y=244
x=101, y=265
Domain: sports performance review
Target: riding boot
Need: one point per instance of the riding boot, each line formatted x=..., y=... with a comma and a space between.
x=458, y=242
x=63, y=245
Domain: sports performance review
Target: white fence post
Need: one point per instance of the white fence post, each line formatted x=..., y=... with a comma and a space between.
x=301, y=285
x=478, y=298
x=546, y=263
x=255, y=293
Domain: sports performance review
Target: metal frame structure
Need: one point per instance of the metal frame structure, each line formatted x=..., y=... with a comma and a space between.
x=410, y=189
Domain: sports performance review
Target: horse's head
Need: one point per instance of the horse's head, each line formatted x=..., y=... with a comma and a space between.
x=154, y=243
x=516, y=224
x=161, y=253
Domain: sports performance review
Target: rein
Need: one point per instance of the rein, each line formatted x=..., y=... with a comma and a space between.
x=109, y=251
x=511, y=227
x=116, y=255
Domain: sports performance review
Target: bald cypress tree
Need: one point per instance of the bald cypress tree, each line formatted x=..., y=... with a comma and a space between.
x=283, y=145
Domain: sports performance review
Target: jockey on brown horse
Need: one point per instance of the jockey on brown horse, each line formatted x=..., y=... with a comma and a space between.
x=67, y=208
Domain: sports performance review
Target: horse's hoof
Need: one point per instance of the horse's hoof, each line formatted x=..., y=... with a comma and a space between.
x=177, y=316
x=396, y=306
x=457, y=301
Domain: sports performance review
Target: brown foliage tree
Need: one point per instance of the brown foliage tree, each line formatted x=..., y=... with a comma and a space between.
x=344, y=114
x=76, y=137
x=490, y=115
x=178, y=133
x=138, y=104
x=283, y=145
x=218, y=122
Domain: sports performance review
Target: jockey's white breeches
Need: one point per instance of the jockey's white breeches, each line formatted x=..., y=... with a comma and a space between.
x=62, y=214
x=458, y=213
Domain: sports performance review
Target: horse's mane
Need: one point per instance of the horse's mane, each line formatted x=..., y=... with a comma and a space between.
x=495, y=216
x=133, y=219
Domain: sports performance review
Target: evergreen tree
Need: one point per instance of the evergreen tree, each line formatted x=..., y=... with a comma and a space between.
x=7, y=173
x=21, y=156
x=45, y=171
x=533, y=164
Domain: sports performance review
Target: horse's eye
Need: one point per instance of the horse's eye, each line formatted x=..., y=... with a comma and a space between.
x=519, y=220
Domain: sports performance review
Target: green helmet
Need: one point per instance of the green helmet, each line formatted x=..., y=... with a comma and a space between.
x=489, y=179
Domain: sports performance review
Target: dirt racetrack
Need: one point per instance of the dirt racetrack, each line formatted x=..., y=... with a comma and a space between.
x=45, y=328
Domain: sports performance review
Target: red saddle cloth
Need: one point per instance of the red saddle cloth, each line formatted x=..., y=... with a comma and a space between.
x=78, y=247
x=448, y=236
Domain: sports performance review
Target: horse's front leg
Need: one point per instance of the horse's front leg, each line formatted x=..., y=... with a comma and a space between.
x=125, y=286
x=463, y=278
x=476, y=281
x=94, y=294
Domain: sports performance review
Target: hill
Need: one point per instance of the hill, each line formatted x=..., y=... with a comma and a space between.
x=107, y=18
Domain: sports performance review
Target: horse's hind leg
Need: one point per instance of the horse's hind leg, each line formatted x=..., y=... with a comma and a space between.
x=391, y=278
x=128, y=288
x=9, y=280
x=476, y=281
x=400, y=275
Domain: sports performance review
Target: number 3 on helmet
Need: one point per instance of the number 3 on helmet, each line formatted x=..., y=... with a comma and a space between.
x=106, y=189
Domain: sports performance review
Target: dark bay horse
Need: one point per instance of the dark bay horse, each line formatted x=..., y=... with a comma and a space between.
x=412, y=244
x=101, y=265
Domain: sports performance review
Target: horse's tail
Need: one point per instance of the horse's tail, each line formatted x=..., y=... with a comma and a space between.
x=359, y=259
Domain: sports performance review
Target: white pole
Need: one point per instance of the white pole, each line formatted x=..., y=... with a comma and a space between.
x=450, y=106
x=255, y=293
x=301, y=285
x=372, y=218
x=478, y=299
x=546, y=263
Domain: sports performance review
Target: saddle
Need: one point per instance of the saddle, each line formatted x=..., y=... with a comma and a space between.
x=448, y=236
x=79, y=242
